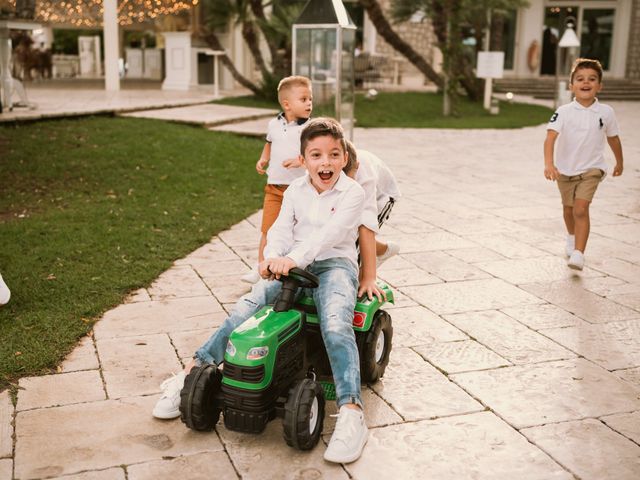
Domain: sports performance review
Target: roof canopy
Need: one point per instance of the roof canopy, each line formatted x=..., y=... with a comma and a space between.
x=325, y=12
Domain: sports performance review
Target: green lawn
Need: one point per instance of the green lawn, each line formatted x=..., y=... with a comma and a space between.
x=94, y=208
x=424, y=110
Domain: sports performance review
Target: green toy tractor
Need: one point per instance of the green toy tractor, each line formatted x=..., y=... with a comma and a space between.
x=276, y=365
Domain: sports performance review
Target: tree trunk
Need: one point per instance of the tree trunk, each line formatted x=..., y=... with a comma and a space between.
x=251, y=39
x=214, y=42
x=392, y=38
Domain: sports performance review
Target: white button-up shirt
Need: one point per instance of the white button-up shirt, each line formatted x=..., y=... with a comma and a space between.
x=317, y=226
x=372, y=170
x=583, y=132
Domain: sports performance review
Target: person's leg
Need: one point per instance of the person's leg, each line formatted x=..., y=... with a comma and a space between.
x=335, y=299
x=581, y=222
x=212, y=352
x=261, y=294
x=381, y=248
x=567, y=188
x=567, y=214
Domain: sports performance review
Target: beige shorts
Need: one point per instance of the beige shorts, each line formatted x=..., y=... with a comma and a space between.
x=271, y=207
x=581, y=186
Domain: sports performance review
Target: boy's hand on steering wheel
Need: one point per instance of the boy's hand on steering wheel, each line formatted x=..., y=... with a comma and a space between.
x=370, y=287
x=275, y=267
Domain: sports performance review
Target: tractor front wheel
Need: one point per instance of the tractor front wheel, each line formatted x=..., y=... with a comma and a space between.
x=198, y=409
x=304, y=414
x=376, y=348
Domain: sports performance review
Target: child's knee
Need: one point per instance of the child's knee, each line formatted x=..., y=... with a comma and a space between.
x=581, y=210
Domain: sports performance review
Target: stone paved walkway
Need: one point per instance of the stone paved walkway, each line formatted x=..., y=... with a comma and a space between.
x=505, y=365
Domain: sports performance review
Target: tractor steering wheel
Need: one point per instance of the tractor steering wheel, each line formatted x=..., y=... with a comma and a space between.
x=296, y=278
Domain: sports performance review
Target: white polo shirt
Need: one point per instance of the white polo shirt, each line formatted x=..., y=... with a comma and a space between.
x=317, y=226
x=583, y=134
x=284, y=138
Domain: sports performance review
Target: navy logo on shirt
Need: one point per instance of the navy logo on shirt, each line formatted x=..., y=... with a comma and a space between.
x=554, y=117
x=601, y=123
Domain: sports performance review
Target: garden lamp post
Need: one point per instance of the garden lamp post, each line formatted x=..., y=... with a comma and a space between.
x=569, y=40
x=323, y=50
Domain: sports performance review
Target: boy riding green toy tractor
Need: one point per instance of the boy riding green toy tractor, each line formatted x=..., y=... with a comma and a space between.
x=276, y=365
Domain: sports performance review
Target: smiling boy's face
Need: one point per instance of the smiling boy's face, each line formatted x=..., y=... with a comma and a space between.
x=585, y=85
x=324, y=158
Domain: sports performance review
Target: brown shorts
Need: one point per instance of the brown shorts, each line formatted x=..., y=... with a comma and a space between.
x=581, y=186
x=271, y=206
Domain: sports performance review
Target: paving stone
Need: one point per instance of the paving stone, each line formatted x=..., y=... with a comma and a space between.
x=462, y=356
x=586, y=305
x=192, y=467
x=628, y=424
x=416, y=390
x=469, y=295
x=478, y=446
x=618, y=268
x=168, y=316
x=589, y=449
x=6, y=426
x=631, y=300
x=83, y=357
x=534, y=270
x=266, y=456
x=6, y=469
x=627, y=233
x=475, y=254
x=377, y=412
x=446, y=267
x=542, y=316
x=241, y=234
x=613, y=345
x=528, y=211
x=60, y=389
x=186, y=343
x=178, y=282
x=507, y=246
x=528, y=395
x=401, y=300
x=508, y=338
x=136, y=365
x=207, y=269
x=424, y=242
x=408, y=223
x=410, y=276
x=418, y=326
x=108, y=474
x=395, y=263
x=631, y=375
x=127, y=434
x=214, y=251
x=227, y=289
x=140, y=295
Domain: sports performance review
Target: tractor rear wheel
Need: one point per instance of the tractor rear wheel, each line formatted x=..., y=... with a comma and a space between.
x=376, y=348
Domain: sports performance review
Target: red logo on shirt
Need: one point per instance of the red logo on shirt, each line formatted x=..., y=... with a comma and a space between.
x=359, y=318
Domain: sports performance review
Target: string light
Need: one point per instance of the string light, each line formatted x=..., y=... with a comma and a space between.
x=89, y=13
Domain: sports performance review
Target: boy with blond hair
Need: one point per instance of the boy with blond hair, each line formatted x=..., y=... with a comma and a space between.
x=279, y=158
x=581, y=129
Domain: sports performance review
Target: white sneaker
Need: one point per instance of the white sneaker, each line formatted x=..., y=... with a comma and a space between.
x=5, y=293
x=349, y=437
x=252, y=276
x=576, y=260
x=392, y=249
x=570, y=246
x=169, y=404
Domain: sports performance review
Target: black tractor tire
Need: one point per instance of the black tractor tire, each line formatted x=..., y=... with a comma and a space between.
x=306, y=399
x=198, y=409
x=376, y=348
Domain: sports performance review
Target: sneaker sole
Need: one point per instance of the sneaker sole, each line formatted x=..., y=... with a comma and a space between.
x=166, y=416
x=574, y=267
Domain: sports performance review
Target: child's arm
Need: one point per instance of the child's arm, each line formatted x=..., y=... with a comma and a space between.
x=264, y=159
x=616, y=147
x=367, y=241
x=550, y=171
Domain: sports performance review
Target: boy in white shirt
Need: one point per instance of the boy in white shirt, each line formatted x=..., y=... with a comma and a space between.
x=381, y=188
x=316, y=229
x=581, y=128
x=279, y=158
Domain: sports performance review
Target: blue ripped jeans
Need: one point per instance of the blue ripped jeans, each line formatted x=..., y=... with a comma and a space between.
x=335, y=299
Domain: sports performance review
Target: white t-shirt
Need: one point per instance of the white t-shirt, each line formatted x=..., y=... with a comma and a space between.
x=385, y=183
x=284, y=138
x=317, y=226
x=583, y=132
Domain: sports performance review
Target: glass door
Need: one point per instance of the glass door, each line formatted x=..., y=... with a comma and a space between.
x=596, y=34
x=553, y=28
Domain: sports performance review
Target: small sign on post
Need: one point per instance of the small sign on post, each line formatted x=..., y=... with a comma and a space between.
x=490, y=66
